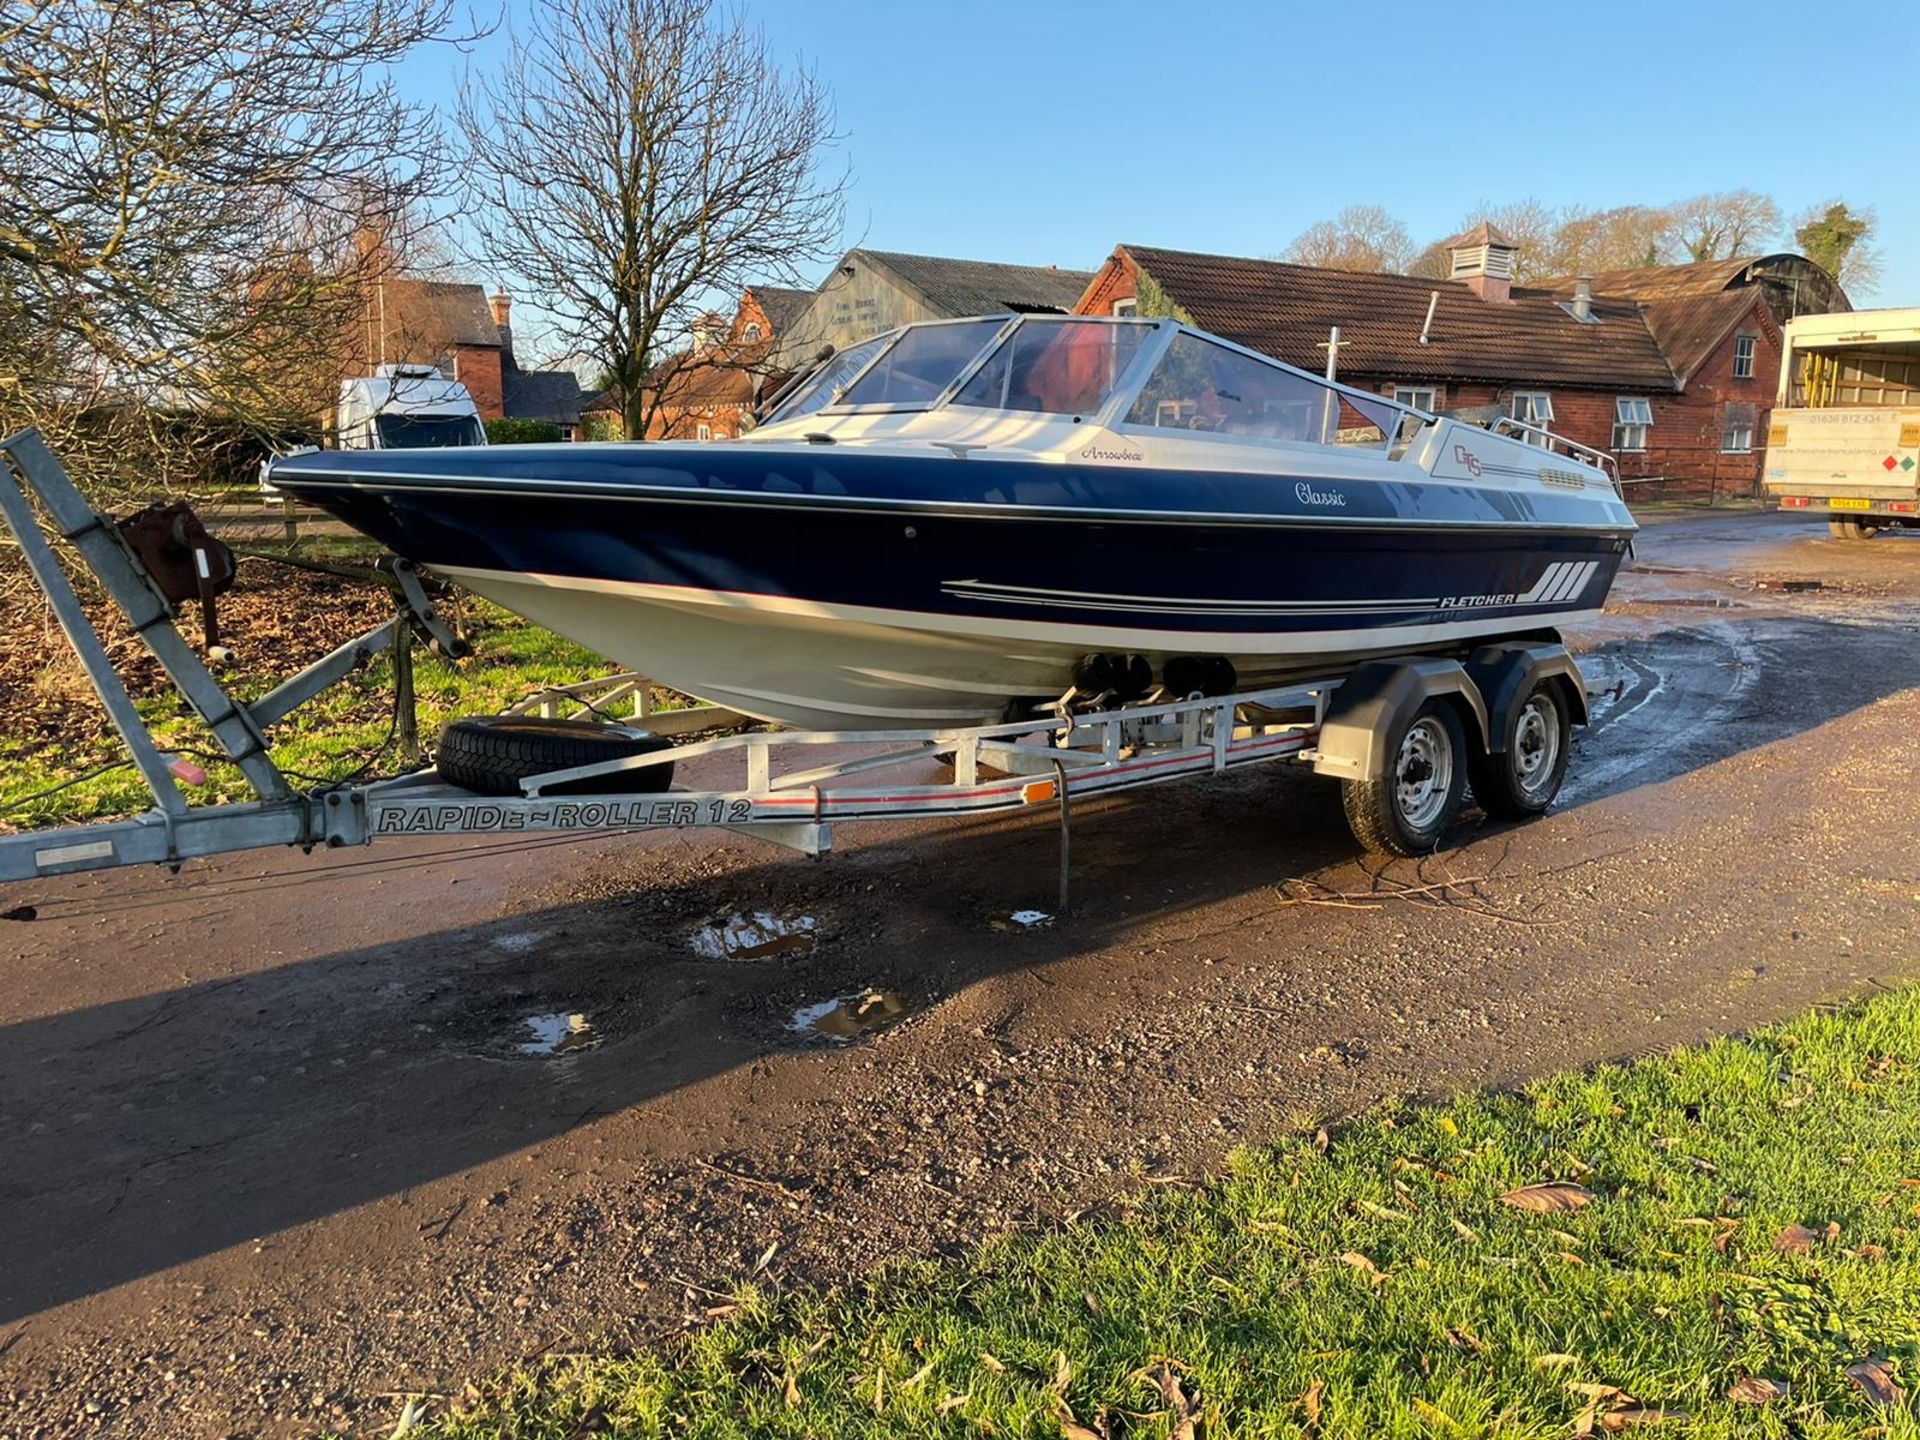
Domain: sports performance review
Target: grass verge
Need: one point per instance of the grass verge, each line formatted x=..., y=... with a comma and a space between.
x=348, y=729
x=1736, y=1258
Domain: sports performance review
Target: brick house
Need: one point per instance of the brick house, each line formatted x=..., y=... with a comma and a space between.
x=709, y=391
x=1674, y=381
x=467, y=335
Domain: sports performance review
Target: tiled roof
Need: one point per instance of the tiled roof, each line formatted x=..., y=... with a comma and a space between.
x=1689, y=327
x=541, y=395
x=781, y=305
x=983, y=287
x=436, y=313
x=1484, y=233
x=1286, y=311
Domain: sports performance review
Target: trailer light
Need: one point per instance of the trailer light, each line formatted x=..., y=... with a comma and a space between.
x=1794, y=502
x=1037, y=793
x=1904, y=507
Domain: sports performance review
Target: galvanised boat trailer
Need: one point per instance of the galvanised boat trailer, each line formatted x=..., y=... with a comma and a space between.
x=1401, y=734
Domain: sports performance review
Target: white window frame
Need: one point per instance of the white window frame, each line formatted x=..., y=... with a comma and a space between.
x=1410, y=395
x=752, y=333
x=1728, y=429
x=1521, y=406
x=1128, y=306
x=703, y=431
x=1752, y=344
x=1624, y=428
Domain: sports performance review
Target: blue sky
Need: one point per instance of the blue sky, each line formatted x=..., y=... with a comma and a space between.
x=1046, y=133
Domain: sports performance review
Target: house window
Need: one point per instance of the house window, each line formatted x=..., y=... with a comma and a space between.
x=1421, y=397
x=1532, y=407
x=1743, y=357
x=1126, y=307
x=1736, y=433
x=703, y=431
x=1632, y=418
x=752, y=332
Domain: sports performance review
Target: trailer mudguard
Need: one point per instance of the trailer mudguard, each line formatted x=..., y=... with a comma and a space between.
x=1503, y=673
x=1376, y=702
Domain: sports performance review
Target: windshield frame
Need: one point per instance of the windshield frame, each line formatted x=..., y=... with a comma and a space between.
x=473, y=427
x=891, y=407
x=1123, y=385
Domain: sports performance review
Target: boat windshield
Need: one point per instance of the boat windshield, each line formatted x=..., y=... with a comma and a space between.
x=826, y=383
x=1056, y=367
x=1202, y=385
x=922, y=363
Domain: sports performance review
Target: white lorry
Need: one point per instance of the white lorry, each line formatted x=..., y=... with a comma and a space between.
x=1844, y=438
x=405, y=407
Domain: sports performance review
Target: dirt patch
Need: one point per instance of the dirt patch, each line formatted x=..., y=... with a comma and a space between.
x=275, y=620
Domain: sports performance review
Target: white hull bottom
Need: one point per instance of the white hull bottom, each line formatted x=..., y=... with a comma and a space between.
x=833, y=667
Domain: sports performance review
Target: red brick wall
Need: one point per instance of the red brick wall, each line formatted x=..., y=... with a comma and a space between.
x=478, y=368
x=672, y=422
x=1114, y=282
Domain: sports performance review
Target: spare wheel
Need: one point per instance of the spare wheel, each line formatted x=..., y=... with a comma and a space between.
x=492, y=754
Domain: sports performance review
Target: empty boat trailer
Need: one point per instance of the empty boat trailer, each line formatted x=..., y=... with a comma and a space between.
x=1402, y=735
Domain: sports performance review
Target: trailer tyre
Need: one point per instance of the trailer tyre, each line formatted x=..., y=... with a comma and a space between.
x=1524, y=779
x=492, y=754
x=1407, y=810
x=1853, y=529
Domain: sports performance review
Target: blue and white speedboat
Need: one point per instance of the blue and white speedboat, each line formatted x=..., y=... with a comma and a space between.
x=937, y=526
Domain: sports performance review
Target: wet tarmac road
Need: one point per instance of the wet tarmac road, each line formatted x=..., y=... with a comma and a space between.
x=286, y=1137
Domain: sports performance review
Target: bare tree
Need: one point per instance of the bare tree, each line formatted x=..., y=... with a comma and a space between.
x=1836, y=238
x=184, y=184
x=637, y=161
x=1361, y=237
x=1625, y=237
x=1719, y=227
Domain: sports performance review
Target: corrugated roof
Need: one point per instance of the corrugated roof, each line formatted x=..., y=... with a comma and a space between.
x=1286, y=311
x=983, y=287
x=1656, y=282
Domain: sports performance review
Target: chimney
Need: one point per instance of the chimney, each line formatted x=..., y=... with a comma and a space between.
x=501, y=306
x=1583, y=299
x=1483, y=257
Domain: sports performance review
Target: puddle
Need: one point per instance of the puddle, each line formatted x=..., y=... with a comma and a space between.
x=1021, y=920
x=518, y=941
x=756, y=935
x=556, y=1034
x=848, y=1017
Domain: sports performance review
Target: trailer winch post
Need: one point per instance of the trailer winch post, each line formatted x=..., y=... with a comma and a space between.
x=98, y=540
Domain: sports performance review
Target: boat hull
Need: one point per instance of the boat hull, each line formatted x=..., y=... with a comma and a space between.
x=863, y=608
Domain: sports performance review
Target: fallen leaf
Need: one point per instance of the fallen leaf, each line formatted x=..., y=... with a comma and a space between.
x=1871, y=1252
x=792, y=1390
x=917, y=1376
x=992, y=1364
x=1873, y=1377
x=1062, y=1372
x=1549, y=1197
x=1465, y=1231
x=1756, y=1390
x=1070, y=1428
x=1381, y=1211
x=1310, y=1402
x=1797, y=1239
x=1555, y=1361
x=1635, y=1416
x=1322, y=1141
x=766, y=1257
x=1461, y=1338
x=952, y=1402
x=1446, y=1124
x=1364, y=1265
x=1596, y=1392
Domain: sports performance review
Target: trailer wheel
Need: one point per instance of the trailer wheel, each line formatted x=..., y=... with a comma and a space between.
x=1407, y=810
x=1525, y=778
x=492, y=754
x=1853, y=529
